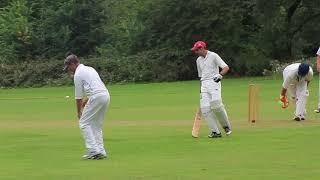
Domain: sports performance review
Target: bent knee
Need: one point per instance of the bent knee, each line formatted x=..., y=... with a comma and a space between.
x=205, y=109
x=216, y=104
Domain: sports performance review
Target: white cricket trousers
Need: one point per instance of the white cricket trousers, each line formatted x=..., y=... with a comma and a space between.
x=91, y=122
x=300, y=94
x=211, y=105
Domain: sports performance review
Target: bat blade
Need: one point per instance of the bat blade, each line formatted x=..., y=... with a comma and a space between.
x=196, y=124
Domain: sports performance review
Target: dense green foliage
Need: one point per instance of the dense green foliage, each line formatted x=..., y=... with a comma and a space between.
x=247, y=34
x=135, y=68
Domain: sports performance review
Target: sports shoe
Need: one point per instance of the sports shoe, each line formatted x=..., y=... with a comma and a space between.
x=296, y=119
x=299, y=119
x=227, y=130
x=102, y=156
x=92, y=155
x=317, y=110
x=214, y=135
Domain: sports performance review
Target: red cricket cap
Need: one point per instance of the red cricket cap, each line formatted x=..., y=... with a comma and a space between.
x=198, y=44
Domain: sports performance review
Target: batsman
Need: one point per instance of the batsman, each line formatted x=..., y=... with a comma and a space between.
x=212, y=108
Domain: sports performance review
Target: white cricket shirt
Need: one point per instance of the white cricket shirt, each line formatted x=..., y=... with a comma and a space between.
x=209, y=65
x=290, y=75
x=318, y=53
x=87, y=80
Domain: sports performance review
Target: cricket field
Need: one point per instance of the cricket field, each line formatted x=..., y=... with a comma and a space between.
x=148, y=135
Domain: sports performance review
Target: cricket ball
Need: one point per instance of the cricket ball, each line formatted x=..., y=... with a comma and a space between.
x=67, y=97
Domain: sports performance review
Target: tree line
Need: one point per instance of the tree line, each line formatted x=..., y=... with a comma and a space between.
x=248, y=34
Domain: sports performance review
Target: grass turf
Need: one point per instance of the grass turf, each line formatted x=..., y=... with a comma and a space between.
x=148, y=135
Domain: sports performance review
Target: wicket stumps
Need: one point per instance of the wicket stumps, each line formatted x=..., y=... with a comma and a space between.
x=253, y=103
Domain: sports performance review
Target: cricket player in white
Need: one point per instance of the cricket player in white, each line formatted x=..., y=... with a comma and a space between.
x=212, y=108
x=318, y=69
x=296, y=78
x=91, y=117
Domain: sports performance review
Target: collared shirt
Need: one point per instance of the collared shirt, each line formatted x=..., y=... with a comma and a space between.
x=318, y=53
x=209, y=66
x=87, y=80
x=290, y=75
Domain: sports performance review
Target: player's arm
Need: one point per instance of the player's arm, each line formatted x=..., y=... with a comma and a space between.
x=283, y=100
x=78, y=95
x=318, y=63
x=283, y=91
x=84, y=102
x=224, y=70
x=318, y=60
x=223, y=65
x=198, y=68
x=79, y=107
x=309, y=76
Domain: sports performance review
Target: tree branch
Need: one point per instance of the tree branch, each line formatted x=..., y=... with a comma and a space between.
x=305, y=22
x=292, y=9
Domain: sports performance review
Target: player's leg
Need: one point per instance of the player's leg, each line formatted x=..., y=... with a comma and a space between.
x=293, y=97
x=221, y=114
x=218, y=108
x=302, y=95
x=292, y=91
x=85, y=124
x=103, y=104
x=208, y=113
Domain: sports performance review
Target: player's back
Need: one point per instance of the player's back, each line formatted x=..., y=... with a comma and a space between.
x=90, y=79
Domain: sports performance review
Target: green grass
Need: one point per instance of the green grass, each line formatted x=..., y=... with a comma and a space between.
x=148, y=135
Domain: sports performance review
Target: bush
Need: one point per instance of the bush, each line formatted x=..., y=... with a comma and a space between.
x=33, y=74
x=149, y=66
x=163, y=65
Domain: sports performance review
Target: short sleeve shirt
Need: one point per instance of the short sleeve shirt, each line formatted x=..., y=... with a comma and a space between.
x=290, y=75
x=209, y=66
x=87, y=81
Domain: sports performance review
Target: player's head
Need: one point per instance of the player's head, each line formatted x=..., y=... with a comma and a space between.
x=71, y=62
x=303, y=69
x=199, y=47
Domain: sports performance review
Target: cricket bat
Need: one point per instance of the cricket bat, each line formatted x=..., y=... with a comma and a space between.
x=196, y=124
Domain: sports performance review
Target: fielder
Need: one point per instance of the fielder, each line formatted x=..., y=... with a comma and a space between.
x=212, y=108
x=296, y=78
x=91, y=113
x=318, y=69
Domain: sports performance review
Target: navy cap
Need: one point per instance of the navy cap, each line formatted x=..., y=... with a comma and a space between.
x=303, y=69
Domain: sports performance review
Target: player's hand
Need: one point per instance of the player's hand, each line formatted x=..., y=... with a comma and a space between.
x=217, y=77
x=284, y=102
x=79, y=115
x=84, y=102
